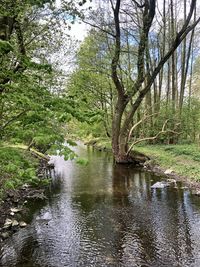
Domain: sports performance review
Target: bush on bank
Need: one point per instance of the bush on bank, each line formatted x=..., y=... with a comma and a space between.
x=18, y=166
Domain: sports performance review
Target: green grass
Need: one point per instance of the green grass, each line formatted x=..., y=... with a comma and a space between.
x=183, y=159
x=17, y=167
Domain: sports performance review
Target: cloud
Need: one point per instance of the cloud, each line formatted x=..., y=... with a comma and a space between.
x=78, y=31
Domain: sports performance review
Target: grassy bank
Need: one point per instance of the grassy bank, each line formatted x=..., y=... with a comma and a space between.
x=18, y=166
x=182, y=159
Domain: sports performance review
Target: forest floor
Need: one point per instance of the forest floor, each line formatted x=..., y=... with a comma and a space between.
x=22, y=178
x=180, y=162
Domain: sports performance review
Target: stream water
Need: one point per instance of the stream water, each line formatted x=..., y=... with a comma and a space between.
x=107, y=215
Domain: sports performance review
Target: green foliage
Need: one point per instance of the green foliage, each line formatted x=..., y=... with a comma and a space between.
x=17, y=168
x=82, y=161
x=181, y=128
x=91, y=87
x=33, y=107
x=192, y=151
x=5, y=47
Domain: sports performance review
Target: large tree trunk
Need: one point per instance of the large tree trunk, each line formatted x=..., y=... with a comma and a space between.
x=119, y=146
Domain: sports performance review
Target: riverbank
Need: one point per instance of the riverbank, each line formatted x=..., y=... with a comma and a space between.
x=180, y=162
x=22, y=178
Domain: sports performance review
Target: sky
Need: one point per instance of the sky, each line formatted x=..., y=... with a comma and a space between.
x=78, y=30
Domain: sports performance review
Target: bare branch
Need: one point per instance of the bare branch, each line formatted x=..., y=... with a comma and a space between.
x=99, y=28
x=138, y=123
x=177, y=41
x=139, y=5
x=163, y=131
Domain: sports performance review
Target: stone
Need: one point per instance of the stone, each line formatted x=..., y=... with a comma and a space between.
x=25, y=186
x=15, y=223
x=5, y=235
x=168, y=171
x=37, y=196
x=160, y=185
x=184, y=187
x=171, y=181
x=7, y=223
x=197, y=193
x=15, y=210
x=22, y=224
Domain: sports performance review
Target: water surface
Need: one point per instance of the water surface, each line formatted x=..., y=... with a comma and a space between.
x=108, y=215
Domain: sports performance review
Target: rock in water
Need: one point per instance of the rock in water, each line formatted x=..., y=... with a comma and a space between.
x=159, y=185
x=197, y=193
x=5, y=235
x=7, y=223
x=22, y=224
x=15, y=210
x=171, y=181
x=15, y=223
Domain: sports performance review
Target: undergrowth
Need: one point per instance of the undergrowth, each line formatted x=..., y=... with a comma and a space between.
x=17, y=167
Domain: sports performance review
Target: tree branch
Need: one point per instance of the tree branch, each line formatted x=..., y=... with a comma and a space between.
x=99, y=28
x=138, y=123
x=138, y=5
x=12, y=119
x=177, y=41
x=163, y=131
x=115, y=60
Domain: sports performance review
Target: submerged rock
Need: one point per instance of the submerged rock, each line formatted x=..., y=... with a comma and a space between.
x=184, y=187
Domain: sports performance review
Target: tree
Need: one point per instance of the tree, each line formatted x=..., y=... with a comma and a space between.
x=129, y=101
x=32, y=101
x=90, y=85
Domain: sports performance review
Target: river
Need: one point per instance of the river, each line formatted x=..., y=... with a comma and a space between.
x=107, y=215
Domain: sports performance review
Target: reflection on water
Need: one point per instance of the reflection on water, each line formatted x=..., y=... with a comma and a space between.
x=108, y=215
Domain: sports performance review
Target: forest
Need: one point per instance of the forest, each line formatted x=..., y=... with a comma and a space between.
x=99, y=133
x=133, y=82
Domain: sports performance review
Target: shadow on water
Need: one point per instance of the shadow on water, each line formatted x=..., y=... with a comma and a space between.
x=108, y=215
